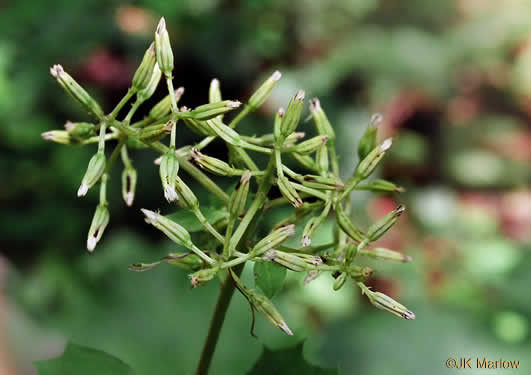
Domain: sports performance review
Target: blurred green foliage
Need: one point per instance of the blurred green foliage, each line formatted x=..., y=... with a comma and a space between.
x=452, y=79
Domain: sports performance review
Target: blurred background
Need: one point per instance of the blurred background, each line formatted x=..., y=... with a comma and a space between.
x=453, y=81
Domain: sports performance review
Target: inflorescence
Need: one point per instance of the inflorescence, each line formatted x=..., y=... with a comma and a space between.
x=316, y=195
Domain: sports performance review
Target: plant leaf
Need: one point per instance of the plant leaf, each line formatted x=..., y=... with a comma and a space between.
x=81, y=360
x=269, y=277
x=188, y=220
x=287, y=362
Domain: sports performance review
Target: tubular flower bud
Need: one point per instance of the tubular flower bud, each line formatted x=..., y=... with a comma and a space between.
x=95, y=170
x=386, y=254
x=321, y=121
x=287, y=260
x=98, y=225
x=381, y=301
x=368, y=140
x=340, y=281
x=152, y=133
x=169, y=167
x=214, y=93
x=187, y=197
x=80, y=130
x=369, y=163
x=200, y=127
x=321, y=182
x=163, y=107
x=321, y=159
x=309, y=230
x=310, y=145
x=144, y=72
x=149, y=90
x=378, y=229
x=275, y=238
x=174, y=231
x=266, y=307
x=384, y=186
x=57, y=136
x=129, y=177
x=76, y=91
x=288, y=191
x=187, y=261
x=346, y=224
x=278, y=124
x=213, y=165
x=263, y=92
x=239, y=196
x=230, y=136
x=163, y=50
x=306, y=161
x=293, y=114
x=203, y=276
x=360, y=274
x=211, y=110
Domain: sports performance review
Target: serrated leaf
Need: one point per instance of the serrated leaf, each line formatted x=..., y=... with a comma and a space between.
x=269, y=277
x=287, y=362
x=188, y=220
x=81, y=360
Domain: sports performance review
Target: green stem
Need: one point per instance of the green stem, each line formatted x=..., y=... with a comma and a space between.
x=225, y=296
x=203, y=220
x=124, y=100
x=244, y=112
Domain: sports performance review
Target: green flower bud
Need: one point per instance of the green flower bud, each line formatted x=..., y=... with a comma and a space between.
x=80, y=130
x=293, y=114
x=203, y=276
x=95, y=170
x=213, y=165
x=321, y=159
x=200, y=127
x=368, y=140
x=275, y=238
x=263, y=92
x=321, y=182
x=306, y=161
x=152, y=85
x=346, y=224
x=367, y=165
x=98, y=225
x=360, y=274
x=129, y=177
x=309, y=230
x=57, y=136
x=266, y=307
x=383, y=186
x=321, y=121
x=187, y=197
x=278, y=123
x=381, y=301
x=340, y=281
x=187, y=261
x=308, y=146
x=238, y=197
x=378, y=229
x=153, y=133
x=169, y=167
x=144, y=72
x=76, y=91
x=174, y=231
x=385, y=254
x=211, y=110
x=163, y=50
x=232, y=137
x=288, y=191
x=214, y=93
x=163, y=107
x=287, y=260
